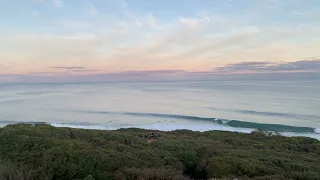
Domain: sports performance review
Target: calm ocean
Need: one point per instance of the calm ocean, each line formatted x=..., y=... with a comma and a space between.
x=291, y=107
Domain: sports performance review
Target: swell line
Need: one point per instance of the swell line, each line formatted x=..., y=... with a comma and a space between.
x=231, y=123
x=273, y=114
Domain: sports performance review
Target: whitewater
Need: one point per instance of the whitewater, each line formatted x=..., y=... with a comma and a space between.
x=288, y=107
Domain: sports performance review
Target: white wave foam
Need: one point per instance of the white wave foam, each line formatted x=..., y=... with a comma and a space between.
x=99, y=127
x=193, y=127
x=160, y=127
x=175, y=126
x=317, y=130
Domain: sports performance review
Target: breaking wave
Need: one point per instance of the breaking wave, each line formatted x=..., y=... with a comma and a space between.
x=273, y=114
x=233, y=123
x=223, y=124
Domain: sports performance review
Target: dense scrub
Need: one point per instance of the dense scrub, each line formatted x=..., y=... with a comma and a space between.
x=44, y=152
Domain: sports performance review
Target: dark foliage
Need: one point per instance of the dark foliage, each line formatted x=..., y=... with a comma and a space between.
x=43, y=152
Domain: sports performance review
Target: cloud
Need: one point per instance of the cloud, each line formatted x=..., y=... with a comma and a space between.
x=194, y=21
x=62, y=47
x=298, y=66
x=70, y=67
x=150, y=73
x=76, y=70
x=136, y=40
x=86, y=70
x=175, y=75
x=74, y=24
x=146, y=21
x=185, y=44
x=184, y=47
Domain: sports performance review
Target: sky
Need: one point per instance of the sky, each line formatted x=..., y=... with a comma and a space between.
x=46, y=39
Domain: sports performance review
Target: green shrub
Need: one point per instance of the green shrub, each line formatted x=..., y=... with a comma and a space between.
x=43, y=152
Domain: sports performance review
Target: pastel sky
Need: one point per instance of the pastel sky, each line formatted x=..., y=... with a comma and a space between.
x=88, y=37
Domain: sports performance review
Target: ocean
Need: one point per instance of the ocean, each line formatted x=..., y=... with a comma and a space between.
x=291, y=107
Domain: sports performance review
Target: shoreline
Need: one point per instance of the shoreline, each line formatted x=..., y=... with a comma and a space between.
x=168, y=127
x=191, y=127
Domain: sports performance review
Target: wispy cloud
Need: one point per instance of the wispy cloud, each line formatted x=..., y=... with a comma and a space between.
x=73, y=24
x=170, y=75
x=298, y=66
x=151, y=73
x=198, y=37
x=69, y=67
x=193, y=21
x=74, y=69
x=183, y=47
x=86, y=70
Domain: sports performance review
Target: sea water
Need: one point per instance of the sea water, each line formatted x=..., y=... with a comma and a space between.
x=196, y=105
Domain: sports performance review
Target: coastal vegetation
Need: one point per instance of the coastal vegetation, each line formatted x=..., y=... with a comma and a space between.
x=44, y=152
